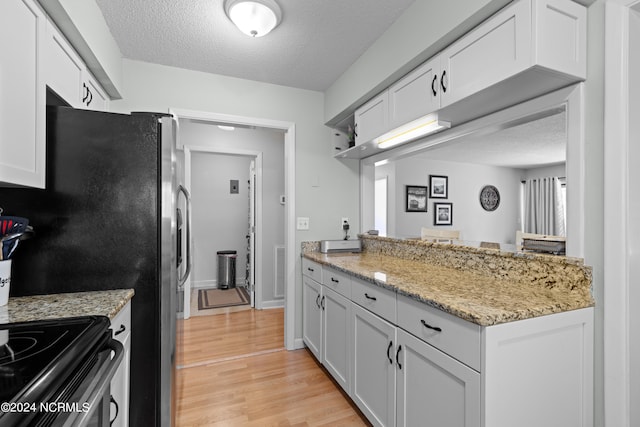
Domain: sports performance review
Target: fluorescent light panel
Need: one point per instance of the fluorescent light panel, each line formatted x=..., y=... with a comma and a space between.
x=412, y=130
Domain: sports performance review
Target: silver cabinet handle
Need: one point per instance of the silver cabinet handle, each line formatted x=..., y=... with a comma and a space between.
x=187, y=271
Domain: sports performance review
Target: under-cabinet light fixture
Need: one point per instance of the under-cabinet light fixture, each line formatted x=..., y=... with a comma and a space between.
x=412, y=130
x=226, y=127
x=255, y=18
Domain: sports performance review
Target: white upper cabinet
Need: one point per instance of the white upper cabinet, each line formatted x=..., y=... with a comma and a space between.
x=67, y=75
x=22, y=103
x=497, y=49
x=549, y=34
x=372, y=119
x=93, y=96
x=415, y=95
x=560, y=40
x=527, y=49
x=64, y=69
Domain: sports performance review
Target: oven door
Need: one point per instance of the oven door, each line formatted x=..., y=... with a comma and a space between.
x=89, y=404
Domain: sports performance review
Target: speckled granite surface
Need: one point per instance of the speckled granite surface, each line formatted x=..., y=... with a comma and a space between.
x=55, y=306
x=482, y=286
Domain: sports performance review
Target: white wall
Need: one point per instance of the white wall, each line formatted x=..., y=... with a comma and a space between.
x=219, y=218
x=544, y=172
x=226, y=216
x=634, y=217
x=326, y=189
x=465, y=182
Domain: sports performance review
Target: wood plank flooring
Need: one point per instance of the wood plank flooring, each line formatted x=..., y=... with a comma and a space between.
x=235, y=372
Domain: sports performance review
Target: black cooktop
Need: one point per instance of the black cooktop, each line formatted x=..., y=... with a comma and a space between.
x=36, y=357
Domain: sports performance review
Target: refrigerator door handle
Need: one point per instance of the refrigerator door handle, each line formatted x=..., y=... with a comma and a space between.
x=187, y=197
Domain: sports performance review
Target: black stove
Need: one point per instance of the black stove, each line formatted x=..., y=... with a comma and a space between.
x=45, y=361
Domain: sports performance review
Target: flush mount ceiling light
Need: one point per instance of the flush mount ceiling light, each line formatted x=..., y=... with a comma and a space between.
x=255, y=18
x=412, y=131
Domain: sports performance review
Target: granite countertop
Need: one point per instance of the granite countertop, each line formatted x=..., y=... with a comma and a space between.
x=478, y=298
x=56, y=306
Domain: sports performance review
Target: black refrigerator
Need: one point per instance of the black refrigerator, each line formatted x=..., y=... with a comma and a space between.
x=107, y=220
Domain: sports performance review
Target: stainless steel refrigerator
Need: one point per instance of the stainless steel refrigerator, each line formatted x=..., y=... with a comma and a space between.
x=107, y=220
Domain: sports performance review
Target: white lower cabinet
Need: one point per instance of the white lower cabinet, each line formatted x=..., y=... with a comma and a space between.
x=121, y=331
x=433, y=389
x=312, y=316
x=406, y=364
x=374, y=372
x=336, y=336
x=326, y=330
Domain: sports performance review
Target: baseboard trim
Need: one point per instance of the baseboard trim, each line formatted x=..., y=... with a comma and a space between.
x=211, y=284
x=298, y=343
x=272, y=304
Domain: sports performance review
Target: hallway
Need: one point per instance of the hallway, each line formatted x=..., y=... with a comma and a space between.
x=234, y=371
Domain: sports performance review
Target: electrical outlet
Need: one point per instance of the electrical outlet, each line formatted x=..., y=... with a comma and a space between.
x=345, y=221
x=303, y=223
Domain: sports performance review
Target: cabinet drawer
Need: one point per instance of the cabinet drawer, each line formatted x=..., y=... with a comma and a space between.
x=375, y=299
x=456, y=337
x=312, y=269
x=339, y=282
x=121, y=324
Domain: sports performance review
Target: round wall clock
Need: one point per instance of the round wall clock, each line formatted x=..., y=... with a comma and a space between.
x=489, y=198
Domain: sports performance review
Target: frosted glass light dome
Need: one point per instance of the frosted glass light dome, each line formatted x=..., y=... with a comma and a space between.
x=255, y=18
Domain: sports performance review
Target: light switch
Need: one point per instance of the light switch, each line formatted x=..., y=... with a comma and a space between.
x=234, y=186
x=303, y=223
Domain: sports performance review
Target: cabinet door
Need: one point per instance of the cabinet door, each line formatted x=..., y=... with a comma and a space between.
x=121, y=330
x=64, y=70
x=374, y=373
x=22, y=103
x=372, y=119
x=312, y=316
x=93, y=97
x=415, y=95
x=497, y=49
x=336, y=343
x=434, y=390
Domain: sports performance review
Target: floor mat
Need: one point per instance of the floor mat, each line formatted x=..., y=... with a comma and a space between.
x=216, y=298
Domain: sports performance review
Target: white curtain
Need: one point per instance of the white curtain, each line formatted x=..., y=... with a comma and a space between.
x=544, y=210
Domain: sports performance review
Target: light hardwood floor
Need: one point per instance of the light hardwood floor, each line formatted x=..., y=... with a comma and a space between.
x=234, y=371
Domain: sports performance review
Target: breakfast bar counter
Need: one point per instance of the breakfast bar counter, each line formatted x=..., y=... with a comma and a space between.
x=478, y=285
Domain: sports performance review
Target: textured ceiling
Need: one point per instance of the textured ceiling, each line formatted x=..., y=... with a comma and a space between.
x=314, y=44
x=533, y=144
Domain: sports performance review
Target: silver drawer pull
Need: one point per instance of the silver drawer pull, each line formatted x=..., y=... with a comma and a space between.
x=426, y=325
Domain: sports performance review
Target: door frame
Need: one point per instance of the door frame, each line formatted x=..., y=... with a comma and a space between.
x=620, y=370
x=258, y=256
x=289, y=129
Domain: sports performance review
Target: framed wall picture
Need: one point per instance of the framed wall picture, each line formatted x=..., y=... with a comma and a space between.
x=442, y=213
x=416, y=198
x=439, y=186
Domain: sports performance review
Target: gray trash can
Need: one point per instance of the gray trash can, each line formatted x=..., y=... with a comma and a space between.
x=227, y=269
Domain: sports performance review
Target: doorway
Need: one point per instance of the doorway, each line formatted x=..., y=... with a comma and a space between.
x=223, y=225
x=228, y=218
x=286, y=200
